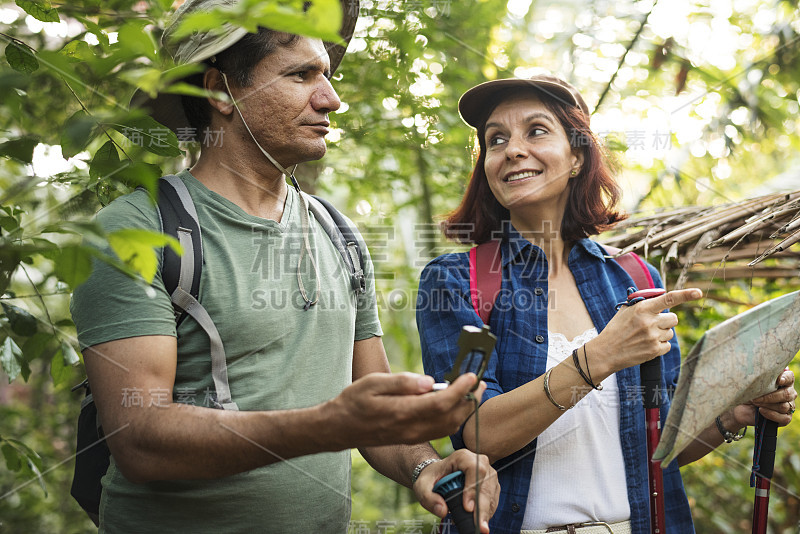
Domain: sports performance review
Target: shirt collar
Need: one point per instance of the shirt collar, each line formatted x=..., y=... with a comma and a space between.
x=518, y=245
x=592, y=248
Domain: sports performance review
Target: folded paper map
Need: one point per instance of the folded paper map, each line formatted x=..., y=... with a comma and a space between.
x=733, y=363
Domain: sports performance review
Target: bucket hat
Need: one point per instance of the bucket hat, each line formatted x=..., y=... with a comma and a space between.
x=475, y=103
x=167, y=108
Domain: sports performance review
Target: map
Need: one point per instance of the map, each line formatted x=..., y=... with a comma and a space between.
x=733, y=363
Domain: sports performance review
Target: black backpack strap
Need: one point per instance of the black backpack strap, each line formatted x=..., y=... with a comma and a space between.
x=179, y=219
x=343, y=238
x=181, y=275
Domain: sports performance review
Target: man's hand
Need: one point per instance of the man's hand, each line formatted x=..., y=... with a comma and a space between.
x=461, y=460
x=383, y=409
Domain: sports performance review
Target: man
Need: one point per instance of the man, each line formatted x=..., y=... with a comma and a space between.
x=279, y=461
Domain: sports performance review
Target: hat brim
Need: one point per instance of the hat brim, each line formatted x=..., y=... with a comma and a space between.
x=167, y=108
x=475, y=104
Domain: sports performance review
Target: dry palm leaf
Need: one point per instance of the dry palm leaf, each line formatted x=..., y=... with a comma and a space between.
x=722, y=243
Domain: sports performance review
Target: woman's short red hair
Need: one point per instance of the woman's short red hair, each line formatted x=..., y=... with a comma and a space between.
x=594, y=193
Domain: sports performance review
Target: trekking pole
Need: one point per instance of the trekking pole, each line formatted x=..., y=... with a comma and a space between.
x=650, y=375
x=763, y=467
x=651, y=381
x=451, y=488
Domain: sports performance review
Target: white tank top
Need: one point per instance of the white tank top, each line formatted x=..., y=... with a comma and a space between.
x=579, y=472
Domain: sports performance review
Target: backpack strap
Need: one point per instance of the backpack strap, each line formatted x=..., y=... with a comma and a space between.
x=178, y=217
x=485, y=277
x=181, y=275
x=634, y=265
x=486, y=274
x=343, y=238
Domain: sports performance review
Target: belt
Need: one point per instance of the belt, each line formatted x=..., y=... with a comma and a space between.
x=593, y=527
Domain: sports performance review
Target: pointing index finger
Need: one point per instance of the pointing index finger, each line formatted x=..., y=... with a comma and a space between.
x=670, y=299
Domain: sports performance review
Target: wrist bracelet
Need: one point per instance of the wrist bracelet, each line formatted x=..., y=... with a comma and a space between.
x=598, y=387
x=547, y=391
x=727, y=434
x=577, y=362
x=420, y=466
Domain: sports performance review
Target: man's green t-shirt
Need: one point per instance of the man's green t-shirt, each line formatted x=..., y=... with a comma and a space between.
x=279, y=357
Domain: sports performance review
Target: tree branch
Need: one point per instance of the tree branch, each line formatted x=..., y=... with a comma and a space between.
x=39, y=295
x=622, y=59
x=105, y=131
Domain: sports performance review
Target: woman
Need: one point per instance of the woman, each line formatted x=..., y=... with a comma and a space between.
x=541, y=185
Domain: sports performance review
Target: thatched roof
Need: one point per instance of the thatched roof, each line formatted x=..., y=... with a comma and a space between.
x=710, y=246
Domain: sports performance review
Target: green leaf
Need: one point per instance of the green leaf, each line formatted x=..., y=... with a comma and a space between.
x=615, y=144
x=153, y=80
x=71, y=357
x=140, y=173
x=40, y=245
x=12, y=457
x=74, y=265
x=322, y=19
x=21, y=58
x=146, y=79
x=136, y=41
x=20, y=149
x=137, y=249
x=62, y=65
x=183, y=88
x=82, y=228
x=77, y=50
x=9, y=261
x=22, y=322
x=45, y=249
x=41, y=10
x=9, y=224
x=14, y=211
x=36, y=470
x=25, y=451
x=33, y=462
x=150, y=135
x=77, y=133
x=59, y=371
x=35, y=345
x=13, y=83
x=93, y=27
x=105, y=161
x=11, y=358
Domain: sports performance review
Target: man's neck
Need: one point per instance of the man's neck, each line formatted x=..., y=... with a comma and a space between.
x=257, y=187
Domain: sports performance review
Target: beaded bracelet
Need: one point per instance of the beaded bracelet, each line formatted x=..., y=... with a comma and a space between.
x=727, y=435
x=550, y=395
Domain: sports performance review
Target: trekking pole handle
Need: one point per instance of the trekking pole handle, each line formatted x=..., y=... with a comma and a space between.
x=451, y=488
x=650, y=376
x=763, y=475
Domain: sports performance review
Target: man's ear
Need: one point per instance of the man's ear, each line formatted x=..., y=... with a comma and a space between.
x=212, y=81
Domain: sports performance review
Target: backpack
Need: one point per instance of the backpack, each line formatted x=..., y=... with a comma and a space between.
x=486, y=274
x=181, y=276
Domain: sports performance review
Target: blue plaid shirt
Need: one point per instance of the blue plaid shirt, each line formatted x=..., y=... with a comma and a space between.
x=520, y=321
